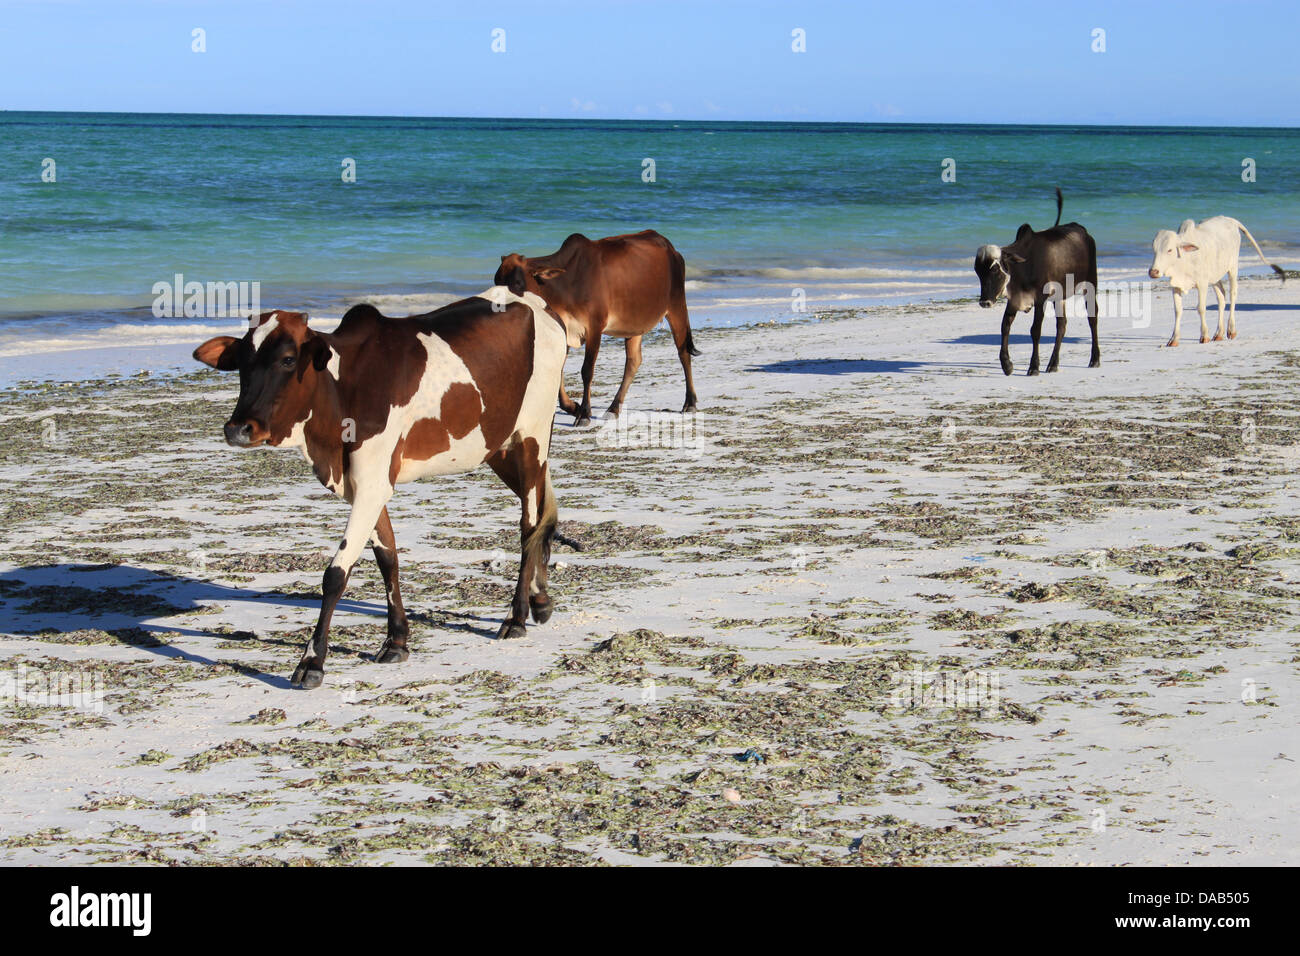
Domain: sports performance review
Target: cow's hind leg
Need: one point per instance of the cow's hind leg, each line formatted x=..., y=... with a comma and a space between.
x=1232, y=304
x=1090, y=309
x=367, y=505
x=530, y=479
x=539, y=601
x=394, y=649
x=1055, y=360
x=1035, y=332
x=1221, y=294
x=633, y=348
x=680, y=322
x=1095, y=360
x=1200, y=310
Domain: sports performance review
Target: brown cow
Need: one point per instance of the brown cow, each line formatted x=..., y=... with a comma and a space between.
x=382, y=400
x=620, y=286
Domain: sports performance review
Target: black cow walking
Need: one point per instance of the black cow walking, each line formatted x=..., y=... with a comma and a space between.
x=1053, y=264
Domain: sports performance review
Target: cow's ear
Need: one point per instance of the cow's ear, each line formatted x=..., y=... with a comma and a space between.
x=541, y=275
x=515, y=280
x=317, y=351
x=1188, y=247
x=1013, y=256
x=1024, y=230
x=222, y=353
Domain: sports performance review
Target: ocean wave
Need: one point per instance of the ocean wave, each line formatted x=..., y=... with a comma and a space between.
x=399, y=303
x=124, y=335
x=829, y=273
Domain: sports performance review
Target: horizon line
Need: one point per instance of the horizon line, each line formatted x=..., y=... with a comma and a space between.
x=659, y=120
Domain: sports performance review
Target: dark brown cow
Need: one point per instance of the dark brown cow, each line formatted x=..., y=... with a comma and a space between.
x=620, y=286
x=381, y=400
x=1041, y=267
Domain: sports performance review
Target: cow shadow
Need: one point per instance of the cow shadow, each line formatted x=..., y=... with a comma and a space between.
x=1018, y=338
x=861, y=366
x=132, y=604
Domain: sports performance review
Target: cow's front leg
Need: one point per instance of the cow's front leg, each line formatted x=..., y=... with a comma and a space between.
x=367, y=504
x=1008, y=317
x=632, y=346
x=1178, y=319
x=1035, y=331
x=567, y=405
x=1055, y=360
x=1221, y=294
x=588, y=370
x=394, y=649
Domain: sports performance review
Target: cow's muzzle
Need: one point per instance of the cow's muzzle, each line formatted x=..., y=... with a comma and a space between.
x=1154, y=273
x=986, y=303
x=239, y=434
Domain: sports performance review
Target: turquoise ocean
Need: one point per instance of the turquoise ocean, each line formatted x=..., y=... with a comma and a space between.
x=852, y=214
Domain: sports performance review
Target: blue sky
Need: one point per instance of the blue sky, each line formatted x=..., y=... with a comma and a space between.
x=1167, y=63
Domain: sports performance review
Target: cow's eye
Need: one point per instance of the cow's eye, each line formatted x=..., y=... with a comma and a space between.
x=288, y=361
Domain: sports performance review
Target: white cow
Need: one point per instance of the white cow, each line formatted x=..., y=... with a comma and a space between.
x=1198, y=256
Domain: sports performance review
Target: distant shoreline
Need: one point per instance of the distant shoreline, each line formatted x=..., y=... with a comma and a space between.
x=164, y=349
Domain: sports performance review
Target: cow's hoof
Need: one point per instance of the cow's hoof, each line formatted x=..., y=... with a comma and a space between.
x=688, y=408
x=1007, y=368
x=1095, y=363
x=1204, y=340
x=308, y=678
x=1218, y=338
x=1051, y=369
x=1232, y=335
x=511, y=631
x=1032, y=371
x=542, y=610
x=392, y=654
x=582, y=422
x=1172, y=344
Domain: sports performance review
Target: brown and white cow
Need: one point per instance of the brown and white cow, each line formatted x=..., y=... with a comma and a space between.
x=382, y=400
x=620, y=286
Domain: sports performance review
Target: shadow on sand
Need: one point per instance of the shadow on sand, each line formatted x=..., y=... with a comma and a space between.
x=861, y=366
x=133, y=603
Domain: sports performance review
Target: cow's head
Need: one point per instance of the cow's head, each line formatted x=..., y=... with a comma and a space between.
x=278, y=360
x=1169, y=248
x=993, y=266
x=519, y=275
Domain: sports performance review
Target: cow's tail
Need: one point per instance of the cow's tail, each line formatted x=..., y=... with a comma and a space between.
x=1060, y=202
x=537, y=546
x=573, y=543
x=1275, y=268
x=677, y=315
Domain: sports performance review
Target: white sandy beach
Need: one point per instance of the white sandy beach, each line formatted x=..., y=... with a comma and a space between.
x=863, y=495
